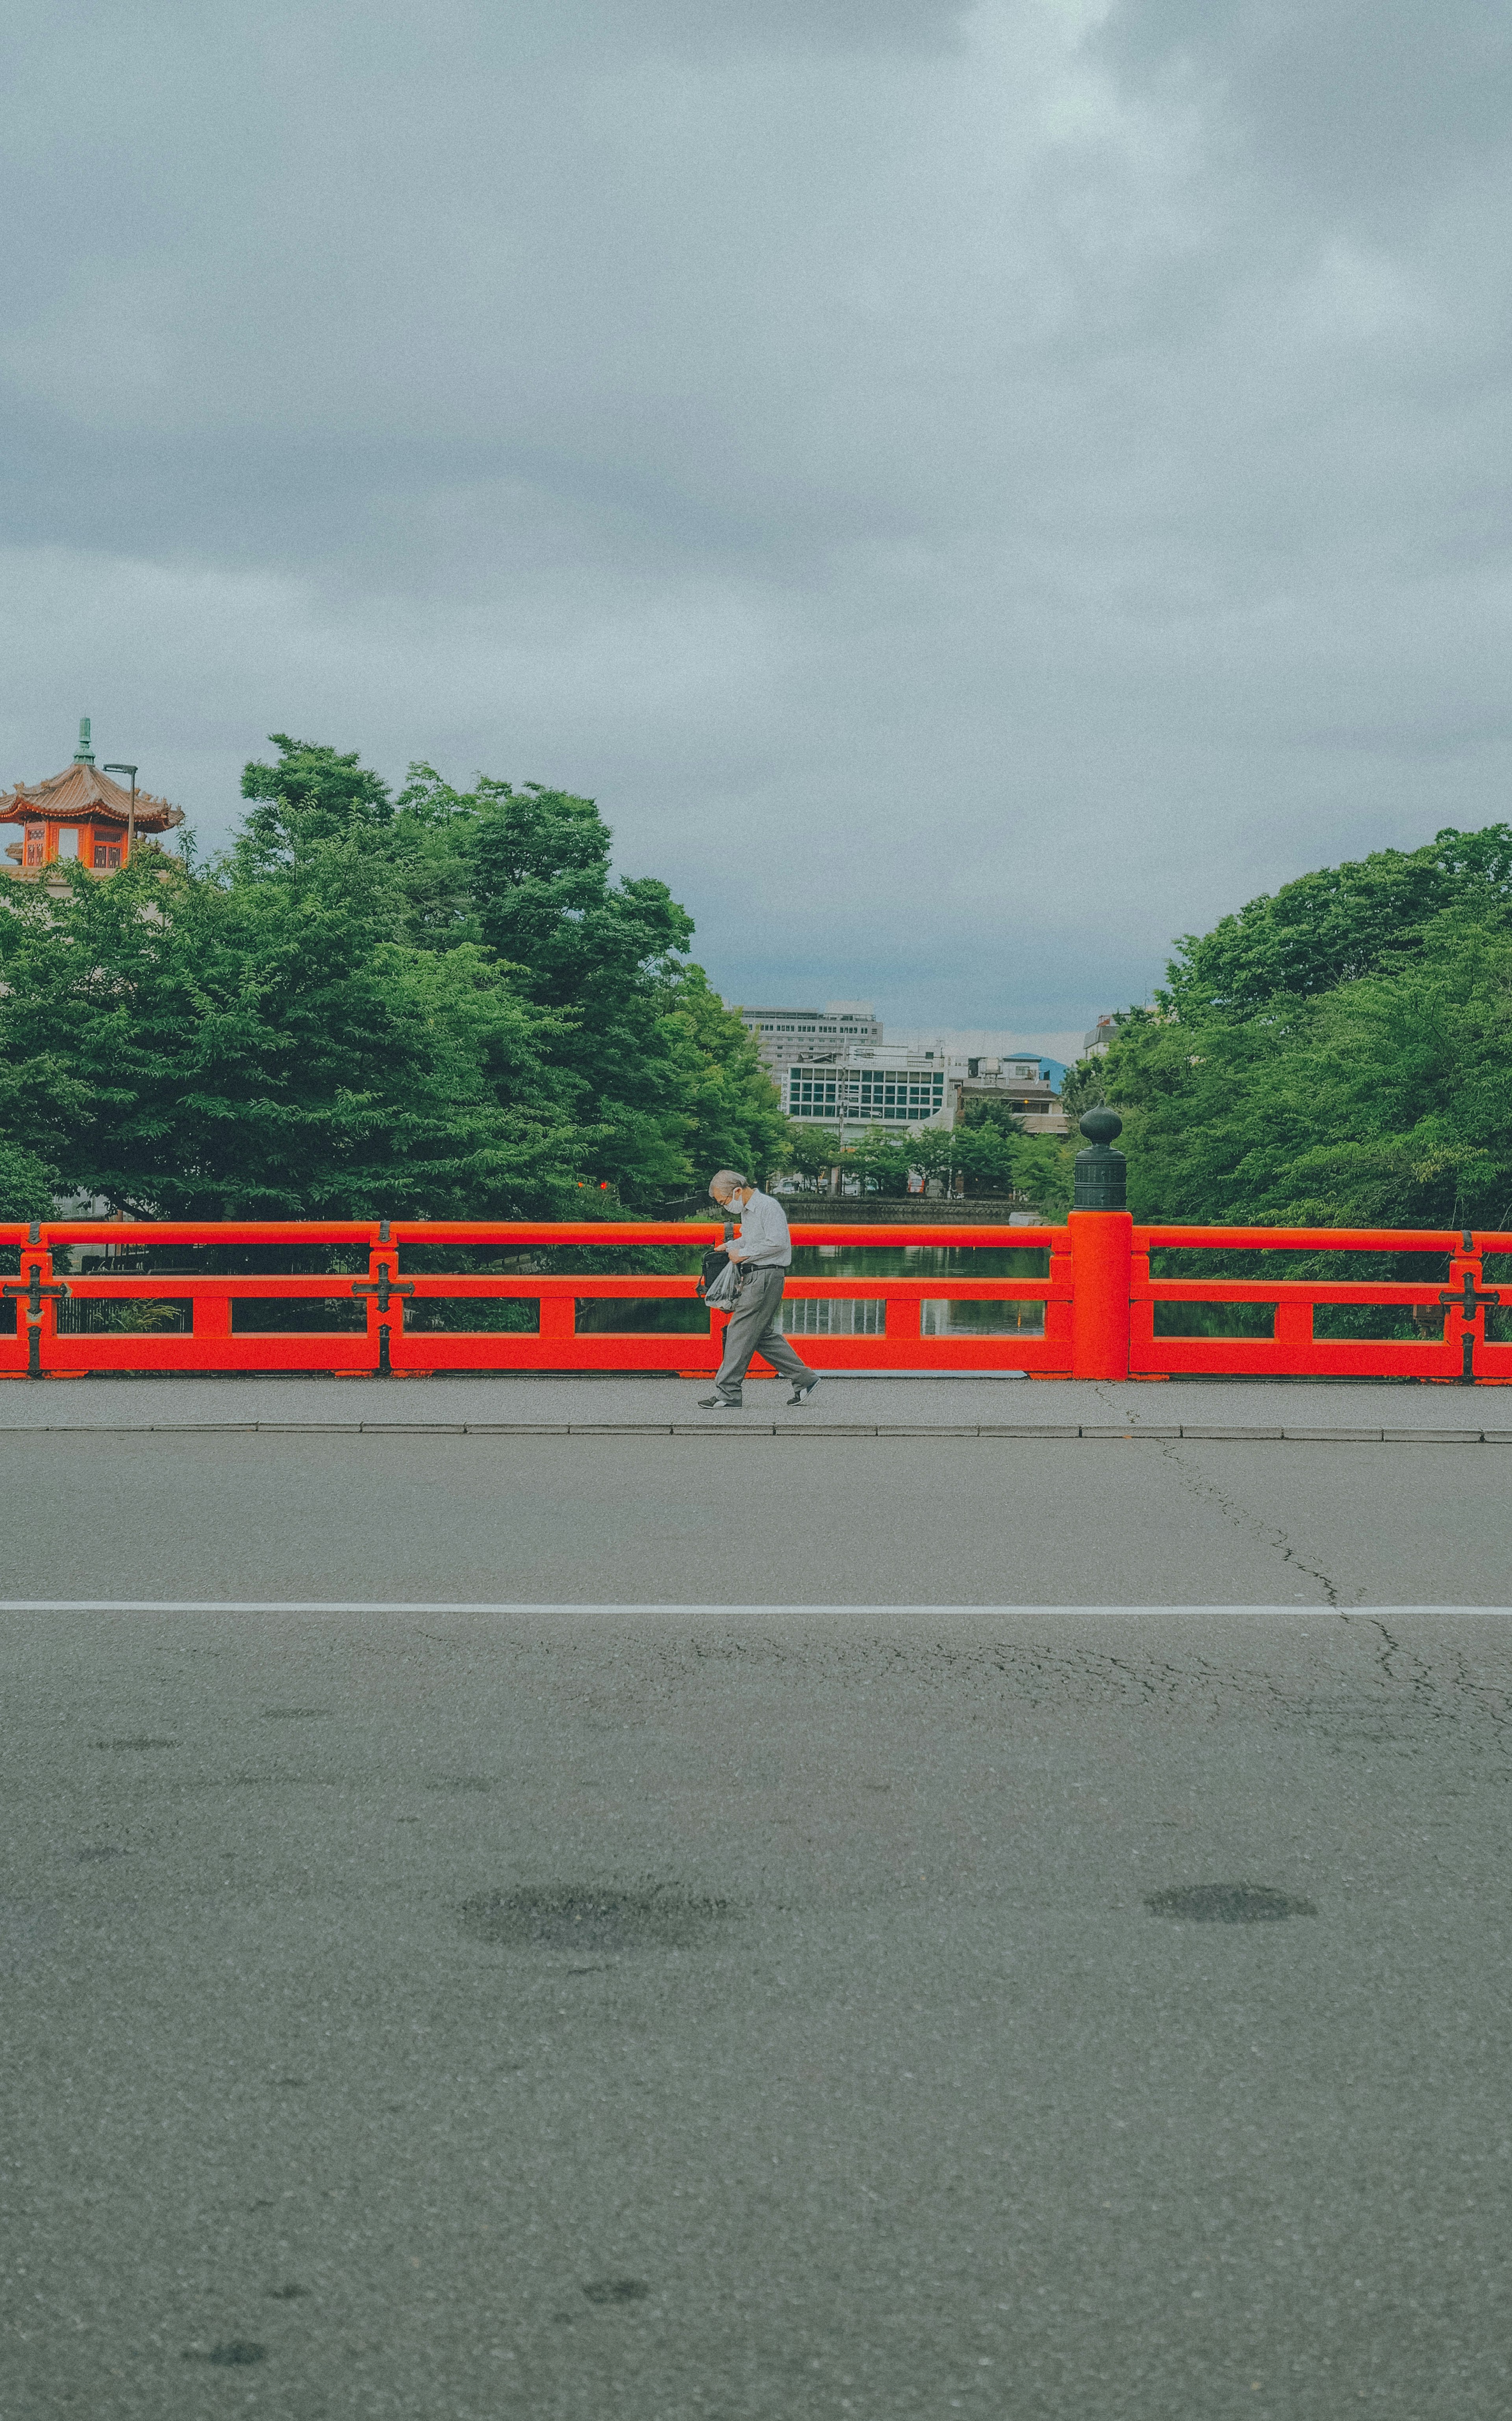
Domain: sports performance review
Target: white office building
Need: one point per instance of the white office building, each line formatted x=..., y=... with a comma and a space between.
x=884, y=1085
x=786, y=1033
x=873, y=1085
x=835, y=1066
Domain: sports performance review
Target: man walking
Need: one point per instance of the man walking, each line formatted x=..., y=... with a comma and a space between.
x=762, y=1252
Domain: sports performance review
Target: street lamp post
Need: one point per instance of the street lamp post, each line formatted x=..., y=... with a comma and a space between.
x=131, y=822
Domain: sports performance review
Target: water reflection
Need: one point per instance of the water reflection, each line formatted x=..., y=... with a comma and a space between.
x=920, y=1261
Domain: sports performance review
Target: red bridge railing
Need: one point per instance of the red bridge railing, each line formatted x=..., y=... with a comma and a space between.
x=85, y=1300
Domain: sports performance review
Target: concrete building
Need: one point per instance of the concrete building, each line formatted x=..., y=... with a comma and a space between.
x=787, y=1034
x=1016, y=1083
x=886, y=1084
x=871, y=1084
x=836, y=1066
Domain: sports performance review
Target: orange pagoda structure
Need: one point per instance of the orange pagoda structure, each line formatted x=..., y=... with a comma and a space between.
x=81, y=815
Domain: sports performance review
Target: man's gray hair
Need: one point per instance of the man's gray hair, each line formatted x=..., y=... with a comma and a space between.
x=727, y=1181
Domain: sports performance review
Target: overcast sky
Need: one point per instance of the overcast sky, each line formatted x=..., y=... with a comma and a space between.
x=973, y=492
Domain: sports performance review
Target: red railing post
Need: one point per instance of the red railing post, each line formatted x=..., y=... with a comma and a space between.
x=211, y=1316
x=1140, y=1314
x=901, y=1319
x=1101, y=1274
x=381, y=1284
x=1466, y=1269
x=558, y=1318
x=1058, y=1314
x=1103, y=1255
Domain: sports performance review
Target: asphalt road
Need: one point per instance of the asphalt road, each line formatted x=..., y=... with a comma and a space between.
x=901, y=1519
x=706, y=2016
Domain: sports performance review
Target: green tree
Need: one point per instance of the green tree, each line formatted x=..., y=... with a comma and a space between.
x=1083, y=1087
x=526, y=874
x=311, y=797
x=1380, y=1102
x=734, y=1117
x=439, y=1004
x=1043, y=1172
x=1340, y=923
x=883, y=1160
x=985, y=1139
x=810, y=1153
x=272, y=1047
x=27, y=1184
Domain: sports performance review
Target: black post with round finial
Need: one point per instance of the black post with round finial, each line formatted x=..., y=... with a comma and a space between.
x=1101, y=1237
x=1101, y=1172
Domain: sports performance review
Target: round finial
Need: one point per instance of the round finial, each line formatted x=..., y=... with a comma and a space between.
x=1101, y=1126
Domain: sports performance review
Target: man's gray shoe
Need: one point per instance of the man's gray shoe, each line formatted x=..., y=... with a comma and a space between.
x=718, y=1404
x=801, y=1395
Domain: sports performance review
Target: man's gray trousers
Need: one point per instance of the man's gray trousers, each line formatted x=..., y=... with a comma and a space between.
x=752, y=1329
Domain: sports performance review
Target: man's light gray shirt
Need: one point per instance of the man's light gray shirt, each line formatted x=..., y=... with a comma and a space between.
x=763, y=1232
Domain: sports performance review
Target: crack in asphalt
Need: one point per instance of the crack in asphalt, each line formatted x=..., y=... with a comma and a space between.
x=1241, y=1517
x=1402, y=1668
x=1343, y=1677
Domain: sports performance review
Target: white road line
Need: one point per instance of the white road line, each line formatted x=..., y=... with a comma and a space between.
x=665, y=1606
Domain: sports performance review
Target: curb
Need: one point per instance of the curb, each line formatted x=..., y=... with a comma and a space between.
x=1092, y=1433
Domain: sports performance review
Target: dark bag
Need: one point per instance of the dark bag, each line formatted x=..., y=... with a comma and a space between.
x=723, y=1292
x=714, y=1260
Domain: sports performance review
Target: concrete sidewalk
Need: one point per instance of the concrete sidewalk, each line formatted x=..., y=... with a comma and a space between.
x=846, y=1404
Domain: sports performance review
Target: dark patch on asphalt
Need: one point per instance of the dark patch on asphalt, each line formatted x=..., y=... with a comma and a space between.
x=141, y=1743
x=1226, y=1904
x=655, y=1916
x=286, y=2294
x=616, y=2290
x=230, y=2355
x=290, y=1714
x=83, y=1857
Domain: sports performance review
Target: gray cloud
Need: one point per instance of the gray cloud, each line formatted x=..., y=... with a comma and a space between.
x=973, y=492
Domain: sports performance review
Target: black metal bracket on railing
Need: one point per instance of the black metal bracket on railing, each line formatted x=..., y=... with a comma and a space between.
x=383, y=1285
x=1467, y=1301
x=34, y=1290
x=32, y=1294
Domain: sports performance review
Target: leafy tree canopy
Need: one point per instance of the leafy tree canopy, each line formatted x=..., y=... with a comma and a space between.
x=1370, y=1089
x=1342, y=922
x=436, y=1004
x=312, y=796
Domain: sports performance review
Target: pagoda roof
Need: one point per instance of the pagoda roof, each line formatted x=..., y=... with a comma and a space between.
x=81, y=794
